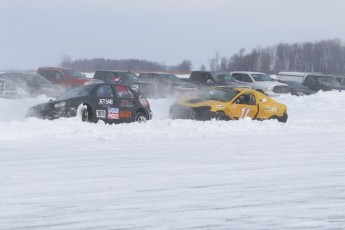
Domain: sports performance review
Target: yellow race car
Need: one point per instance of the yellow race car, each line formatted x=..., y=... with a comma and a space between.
x=223, y=103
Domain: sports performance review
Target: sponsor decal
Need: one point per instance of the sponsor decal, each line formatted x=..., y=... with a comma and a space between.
x=106, y=102
x=100, y=113
x=125, y=114
x=126, y=103
x=274, y=109
x=113, y=113
x=244, y=112
x=220, y=106
x=267, y=108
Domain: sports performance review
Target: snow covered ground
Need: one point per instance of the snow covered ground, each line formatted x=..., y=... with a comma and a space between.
x=175, y=174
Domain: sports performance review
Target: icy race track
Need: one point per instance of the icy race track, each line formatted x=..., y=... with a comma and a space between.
x=175, y=174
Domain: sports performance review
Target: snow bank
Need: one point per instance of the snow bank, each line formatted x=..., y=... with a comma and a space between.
x=175, y=174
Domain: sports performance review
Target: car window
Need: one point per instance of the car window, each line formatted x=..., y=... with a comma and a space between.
x=224, y=77
x=221, y=95
x=261, y=77
x=246, y=99
x=122, y=92
x=73, y=73
x=100, y=75
x=104, y=91
x=246, y=78
x=37, y=79
x=310, y=81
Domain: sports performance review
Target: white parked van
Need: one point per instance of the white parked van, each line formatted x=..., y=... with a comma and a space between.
x=261, y=82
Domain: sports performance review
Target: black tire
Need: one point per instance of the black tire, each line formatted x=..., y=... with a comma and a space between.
x=84, y=112
x=220, y=116
x=283, y=118
x=141, y=117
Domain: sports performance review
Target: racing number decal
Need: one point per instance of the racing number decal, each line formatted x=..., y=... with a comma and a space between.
x=244, y=112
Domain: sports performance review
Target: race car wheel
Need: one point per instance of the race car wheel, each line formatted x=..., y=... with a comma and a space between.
x=283, y=118
x=84, y=113
x=220, y=116
x=140, y=117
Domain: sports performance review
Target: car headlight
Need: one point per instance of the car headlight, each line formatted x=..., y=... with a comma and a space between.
x=60, y=104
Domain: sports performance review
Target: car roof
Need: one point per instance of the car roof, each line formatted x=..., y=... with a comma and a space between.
x=248, y=72
x=55, y=67
x=117, y=71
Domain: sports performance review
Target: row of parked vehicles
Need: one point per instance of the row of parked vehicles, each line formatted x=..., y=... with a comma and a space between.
x=52, y=81
x=120, y=96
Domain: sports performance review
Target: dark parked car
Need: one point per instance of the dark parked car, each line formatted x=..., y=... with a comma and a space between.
x=148, y=89
x=206, y=80
x=297, y=88
x=8, y=89
x=168, y=84
x=66, y=77
x=314, y=81
x=33, y=84
x=108, y=102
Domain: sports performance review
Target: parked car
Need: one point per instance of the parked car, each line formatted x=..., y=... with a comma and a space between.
x=168, y=84
x=340, y=79
x=223, y=103
x=33, y=84
x=314, y=81
x=108, y=102
x=148, y=89
x=261, y=82
x=206, y=80
x=297, y=88
x=8, y=89
x=66, y=77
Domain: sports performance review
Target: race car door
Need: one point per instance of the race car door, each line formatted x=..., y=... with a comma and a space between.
x=107, y=105
x=244, y=106
x=126, y=103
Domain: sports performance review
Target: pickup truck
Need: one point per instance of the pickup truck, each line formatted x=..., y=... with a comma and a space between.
x=205, y=80
x=66, y=77
x=261, y=82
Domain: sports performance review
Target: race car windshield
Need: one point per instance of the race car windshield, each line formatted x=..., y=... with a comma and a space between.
x=224, y=78
x=73, y=73
x=81, y=91
x=222, y=95
x=261, y=77
x=328, y=80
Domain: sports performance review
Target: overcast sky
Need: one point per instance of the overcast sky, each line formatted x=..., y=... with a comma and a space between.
x=37, y=33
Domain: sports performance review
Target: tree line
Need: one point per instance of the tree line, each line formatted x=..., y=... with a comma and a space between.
x=326, y=56
x=91, y=65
